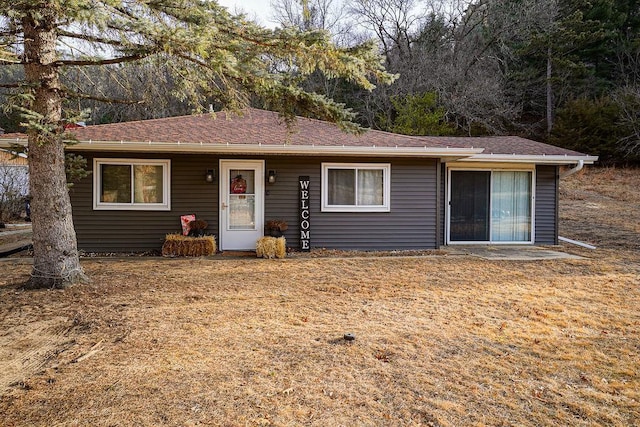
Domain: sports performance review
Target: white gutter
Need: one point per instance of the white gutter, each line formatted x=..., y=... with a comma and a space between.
x=310, y=150
x=528, y=158
x=573, y=170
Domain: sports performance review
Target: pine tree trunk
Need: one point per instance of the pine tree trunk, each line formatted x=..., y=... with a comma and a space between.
x=56, y=262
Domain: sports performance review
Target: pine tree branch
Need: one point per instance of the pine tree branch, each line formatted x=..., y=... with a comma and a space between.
x=90, y=38
x=193, y=60
x=119, y=60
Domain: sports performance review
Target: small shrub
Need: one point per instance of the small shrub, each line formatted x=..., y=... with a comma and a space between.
x=275, y=227
x=197, y=227
x=277, y=224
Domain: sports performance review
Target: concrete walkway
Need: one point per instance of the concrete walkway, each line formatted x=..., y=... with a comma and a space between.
x=510, y=252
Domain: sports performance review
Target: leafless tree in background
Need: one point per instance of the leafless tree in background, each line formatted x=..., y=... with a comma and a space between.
x=14, y=186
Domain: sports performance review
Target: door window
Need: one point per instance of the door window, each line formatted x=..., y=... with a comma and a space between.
x=242, y=199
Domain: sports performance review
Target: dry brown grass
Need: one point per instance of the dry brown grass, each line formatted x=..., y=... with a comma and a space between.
x=440, y=341
x=602, y=206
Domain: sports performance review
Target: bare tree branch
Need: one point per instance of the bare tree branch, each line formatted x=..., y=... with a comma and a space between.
x=74, y=94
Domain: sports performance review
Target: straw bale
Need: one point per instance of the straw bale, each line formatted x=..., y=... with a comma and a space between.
x=271, y=247
x=179, y=245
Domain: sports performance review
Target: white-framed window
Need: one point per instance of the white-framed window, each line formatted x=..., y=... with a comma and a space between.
x=356, y=187
x=131, y=184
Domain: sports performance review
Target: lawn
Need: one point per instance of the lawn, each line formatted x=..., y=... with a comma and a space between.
x=441, y=340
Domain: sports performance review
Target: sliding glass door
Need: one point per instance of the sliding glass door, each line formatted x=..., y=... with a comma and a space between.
x=490, y=206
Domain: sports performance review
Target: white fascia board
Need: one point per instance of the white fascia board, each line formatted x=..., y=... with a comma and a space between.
x=310, y=150
x=538, y=159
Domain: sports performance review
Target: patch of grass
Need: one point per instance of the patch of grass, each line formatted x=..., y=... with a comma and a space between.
x=438, y=341
x=602, y=206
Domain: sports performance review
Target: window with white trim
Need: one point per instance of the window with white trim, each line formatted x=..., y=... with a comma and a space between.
x=356, y=187
x=131, y=184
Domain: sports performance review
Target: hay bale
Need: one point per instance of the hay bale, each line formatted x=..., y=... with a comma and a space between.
x=179, y=245
x=271, y=247
x=281, y=247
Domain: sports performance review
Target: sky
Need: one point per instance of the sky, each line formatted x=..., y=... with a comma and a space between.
x=260, y=9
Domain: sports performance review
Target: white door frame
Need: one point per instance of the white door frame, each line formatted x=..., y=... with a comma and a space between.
x=240, y=239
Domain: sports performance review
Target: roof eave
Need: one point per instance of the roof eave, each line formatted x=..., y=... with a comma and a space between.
x=550, y=159
x=446, y=153
x=260, y=149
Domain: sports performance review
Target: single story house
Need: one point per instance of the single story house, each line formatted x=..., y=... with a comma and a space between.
x=375, y=191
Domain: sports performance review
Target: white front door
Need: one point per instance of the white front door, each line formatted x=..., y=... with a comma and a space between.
x=241, y=204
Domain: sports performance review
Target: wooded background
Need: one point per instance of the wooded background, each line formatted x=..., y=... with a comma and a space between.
x=564, y=72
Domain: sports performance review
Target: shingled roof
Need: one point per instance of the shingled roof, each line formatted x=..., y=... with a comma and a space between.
x=265, y=132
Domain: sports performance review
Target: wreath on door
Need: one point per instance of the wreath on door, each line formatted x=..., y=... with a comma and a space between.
x=238, y=185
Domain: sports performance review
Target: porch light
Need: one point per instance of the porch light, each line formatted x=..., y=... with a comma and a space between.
x=210, y=175
x=271, y=177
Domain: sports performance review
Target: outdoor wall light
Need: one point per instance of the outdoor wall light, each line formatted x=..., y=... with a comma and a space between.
x=271, y=177
x=210, y=175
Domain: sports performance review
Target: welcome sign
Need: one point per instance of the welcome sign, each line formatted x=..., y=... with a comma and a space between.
x=305, y=214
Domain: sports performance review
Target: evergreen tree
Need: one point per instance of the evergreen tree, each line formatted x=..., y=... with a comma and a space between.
x=590, y=126
x=420, y=115
x=212, y=54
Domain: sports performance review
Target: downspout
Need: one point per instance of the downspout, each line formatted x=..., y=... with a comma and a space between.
x=573, y=170
x=576, y=168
